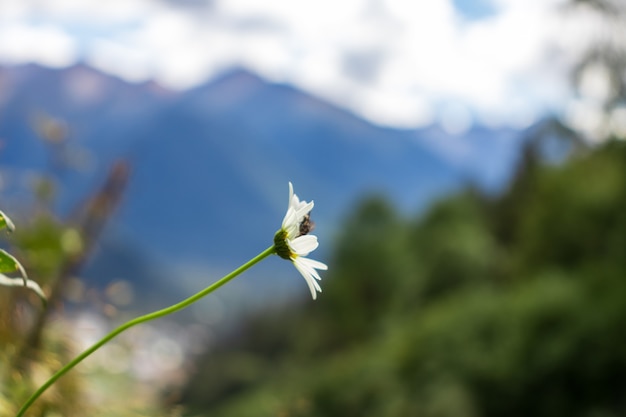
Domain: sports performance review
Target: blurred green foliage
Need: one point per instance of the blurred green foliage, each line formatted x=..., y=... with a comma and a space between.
x=31, y=350
x=513, y=306
x=36, y=340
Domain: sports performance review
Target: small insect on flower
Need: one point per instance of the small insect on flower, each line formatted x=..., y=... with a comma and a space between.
x=307, y=225
x=293, y=241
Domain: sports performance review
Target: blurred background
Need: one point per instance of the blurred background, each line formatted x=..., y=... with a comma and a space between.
x=468, y=165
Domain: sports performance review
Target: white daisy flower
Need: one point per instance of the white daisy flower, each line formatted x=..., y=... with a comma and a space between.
x=293, y=242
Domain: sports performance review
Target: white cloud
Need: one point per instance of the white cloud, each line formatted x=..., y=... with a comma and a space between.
x=394, y=108
x=45, y=44
x=110, y=12
x=392, y=61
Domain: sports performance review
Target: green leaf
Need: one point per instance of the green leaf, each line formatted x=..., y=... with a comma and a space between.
x=19, y=282
x=6, y=222
x=9, y=264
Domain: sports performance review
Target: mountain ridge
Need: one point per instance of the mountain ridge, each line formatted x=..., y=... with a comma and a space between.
x=212, y=163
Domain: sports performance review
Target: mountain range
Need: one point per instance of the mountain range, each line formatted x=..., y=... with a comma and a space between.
x=209, y=167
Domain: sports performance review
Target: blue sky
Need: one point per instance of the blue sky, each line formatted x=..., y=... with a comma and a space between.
x=400, y=63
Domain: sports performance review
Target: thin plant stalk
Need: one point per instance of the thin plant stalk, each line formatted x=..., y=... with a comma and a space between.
x=142, y=319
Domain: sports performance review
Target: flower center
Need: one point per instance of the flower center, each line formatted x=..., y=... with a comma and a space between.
x=281, y=246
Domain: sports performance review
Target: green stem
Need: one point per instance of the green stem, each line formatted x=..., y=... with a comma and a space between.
x=142, y=319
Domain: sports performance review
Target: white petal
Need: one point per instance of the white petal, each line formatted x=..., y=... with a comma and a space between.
x=310, y=270
x=291, y=207
x=295, y=214
x=306, y=273
x=304, y=209
x=290, y=220
x=314, y=264
x=295, y=202
x=303, y=245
